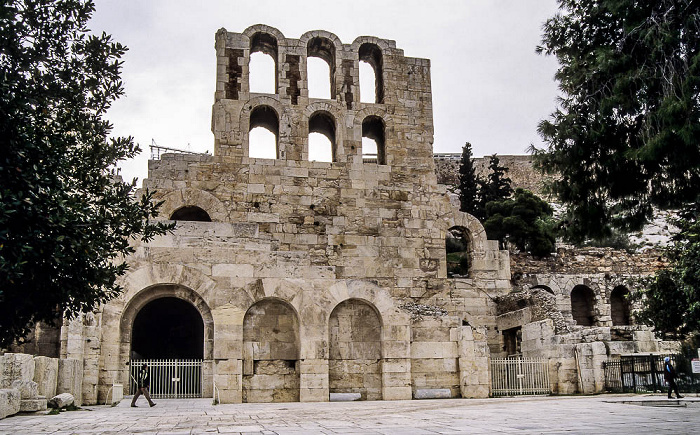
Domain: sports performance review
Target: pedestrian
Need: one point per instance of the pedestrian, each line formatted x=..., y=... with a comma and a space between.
x=670, y=377
x=144, y=382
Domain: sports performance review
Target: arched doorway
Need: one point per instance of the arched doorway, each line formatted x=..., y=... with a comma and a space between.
x=168, y=328
x=168, y=334
x=354, y=364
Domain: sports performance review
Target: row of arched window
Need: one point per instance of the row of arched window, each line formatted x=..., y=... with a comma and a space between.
x=263, y=136
x=263, y=70
x=583, y=306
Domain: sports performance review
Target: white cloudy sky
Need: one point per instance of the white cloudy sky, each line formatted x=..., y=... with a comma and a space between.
x=489, y=86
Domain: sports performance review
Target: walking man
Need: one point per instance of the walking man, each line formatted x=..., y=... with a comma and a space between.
x=670, y=377
x=144, y=382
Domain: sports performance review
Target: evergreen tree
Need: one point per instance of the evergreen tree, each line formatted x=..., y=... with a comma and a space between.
x=497, y=185
x=469, y=184
x=65, y=220
x=524, y=221
x=625, y=138
x=671, y=301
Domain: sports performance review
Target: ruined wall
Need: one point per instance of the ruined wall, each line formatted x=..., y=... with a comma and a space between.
x=520, y=170
x=304, y=273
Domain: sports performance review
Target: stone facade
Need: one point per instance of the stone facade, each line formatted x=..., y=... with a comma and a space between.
x=310, y=279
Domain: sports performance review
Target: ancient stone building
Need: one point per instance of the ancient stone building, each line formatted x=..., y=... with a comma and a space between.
x=297, y=280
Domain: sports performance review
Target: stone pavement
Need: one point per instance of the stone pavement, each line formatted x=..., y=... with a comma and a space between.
x=604, y=414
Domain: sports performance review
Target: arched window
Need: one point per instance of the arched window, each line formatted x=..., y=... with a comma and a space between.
x=543, y=287
x=582, y=299
x=324, y=50
x=371, y=80
x=619, y=306
x=262, y=69
x=190, y=213
x=322, y=137
x=373, y=140
x=263, y=133
x=457, y=247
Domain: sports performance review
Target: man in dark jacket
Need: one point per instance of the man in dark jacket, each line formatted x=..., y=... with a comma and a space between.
x=144, y=382
x=670, y=377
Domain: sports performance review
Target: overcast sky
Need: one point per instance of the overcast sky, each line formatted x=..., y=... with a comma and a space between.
x=490, y=88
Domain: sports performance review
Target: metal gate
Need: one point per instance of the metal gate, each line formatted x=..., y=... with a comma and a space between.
x=170, y=378
x=519, y=376
x=645, y=374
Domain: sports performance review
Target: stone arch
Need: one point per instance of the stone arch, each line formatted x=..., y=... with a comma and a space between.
x=263, y=28
x=248, y=121
x=189, y=197
x=619, y=306
x=476, y=231
x=271, y=350
x=355, y=349
x=583, y=305
x=376, y=297
x=543, y=287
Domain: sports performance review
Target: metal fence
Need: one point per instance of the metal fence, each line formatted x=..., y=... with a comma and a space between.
x=645, y=374
x=170, y=378
x=519, y=376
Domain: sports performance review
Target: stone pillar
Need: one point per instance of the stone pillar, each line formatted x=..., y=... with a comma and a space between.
x=227, y=377
x=313, y=380
x=70, y=379
x=46, y=375
x=474, y=371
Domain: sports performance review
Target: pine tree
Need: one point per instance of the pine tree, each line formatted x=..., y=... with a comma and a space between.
x=625, y=138
x=469, y=184
x=497, y=185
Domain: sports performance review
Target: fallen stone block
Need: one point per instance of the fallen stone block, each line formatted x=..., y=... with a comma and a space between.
x=345, y=397
x=61, y=400
x=9, y=402
x=433, y=393
x=32, y=405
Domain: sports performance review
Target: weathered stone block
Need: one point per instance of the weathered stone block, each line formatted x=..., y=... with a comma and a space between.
x=70, y=379
x=27, y=389
x=15, y=366
x=46, y=375
x=9, y=402
x=32, y=405
x=433, y=393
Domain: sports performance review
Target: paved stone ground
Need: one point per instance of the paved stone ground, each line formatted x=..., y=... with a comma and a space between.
x=605, y=414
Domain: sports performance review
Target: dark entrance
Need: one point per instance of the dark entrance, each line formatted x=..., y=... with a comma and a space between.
x=168, y=328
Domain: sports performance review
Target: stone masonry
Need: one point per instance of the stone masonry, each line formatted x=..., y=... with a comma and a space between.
x=310, y=279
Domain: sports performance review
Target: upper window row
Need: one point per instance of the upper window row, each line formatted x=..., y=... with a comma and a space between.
x=263, y=136
x=321, y=68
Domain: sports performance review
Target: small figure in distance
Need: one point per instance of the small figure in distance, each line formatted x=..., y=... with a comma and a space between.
x=144, y=382
x=670, y=377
